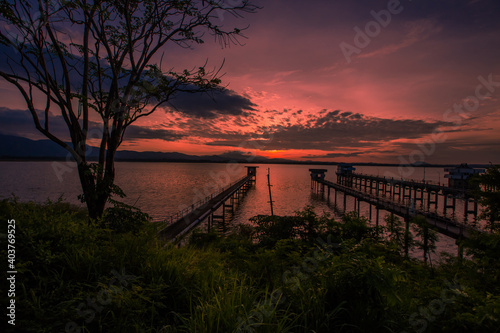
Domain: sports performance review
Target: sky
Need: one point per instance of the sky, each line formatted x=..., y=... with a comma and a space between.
x=344, y=81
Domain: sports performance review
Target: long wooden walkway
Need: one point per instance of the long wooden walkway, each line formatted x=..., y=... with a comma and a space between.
x=443, y=224
x=377, y=183
x=186, y=220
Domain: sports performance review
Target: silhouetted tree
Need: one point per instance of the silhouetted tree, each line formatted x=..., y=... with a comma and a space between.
x=355, y=226
x=395, y=229
x=428, y=236
x=488, y=192
x=92, y=60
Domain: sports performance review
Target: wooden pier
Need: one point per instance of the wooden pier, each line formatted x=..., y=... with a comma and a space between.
x=212, y=208
x=413, y=191
x=400, y=197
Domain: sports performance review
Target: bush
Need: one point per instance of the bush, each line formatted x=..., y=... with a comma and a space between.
x=123, y=218
x=305, y=225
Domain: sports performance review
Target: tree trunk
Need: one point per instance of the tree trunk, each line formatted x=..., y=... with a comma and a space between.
x=95, y=193
x=98, y=185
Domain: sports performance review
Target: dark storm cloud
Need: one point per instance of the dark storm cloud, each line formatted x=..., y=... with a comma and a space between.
x=139, y=132
x=204, y=105
x=338, y=129
x=334, y=155
x=347, y=129
x=20, y=123
x=454, y=150
x=210, y=105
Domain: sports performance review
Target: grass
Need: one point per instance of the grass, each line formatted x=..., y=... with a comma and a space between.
x=113, y=276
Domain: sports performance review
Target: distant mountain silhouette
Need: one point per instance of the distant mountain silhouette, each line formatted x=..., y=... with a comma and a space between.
x=130, y=155
x=15, y=147
x=19, y=147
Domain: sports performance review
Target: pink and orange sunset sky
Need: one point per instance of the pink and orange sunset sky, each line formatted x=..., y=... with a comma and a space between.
x=420, y=84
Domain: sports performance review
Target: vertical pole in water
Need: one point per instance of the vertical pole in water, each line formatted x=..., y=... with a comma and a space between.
x=466, y=208
x=454, y=205
x=475, y=210
x=270, y=196
x=407, y=234
x=445, y=203
x=428, y=200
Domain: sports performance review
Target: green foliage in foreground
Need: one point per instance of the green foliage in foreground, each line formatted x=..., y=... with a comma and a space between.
x=315, y=275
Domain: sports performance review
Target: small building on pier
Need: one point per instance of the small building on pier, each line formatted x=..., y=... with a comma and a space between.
x=252, y=171
x=317, y=174
x=458, y=176
x=345, y=169
x=345, y=172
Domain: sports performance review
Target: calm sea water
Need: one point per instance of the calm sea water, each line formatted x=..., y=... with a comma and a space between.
x=161, y=189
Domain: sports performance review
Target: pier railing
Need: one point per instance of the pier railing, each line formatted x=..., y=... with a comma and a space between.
x=183, y=212
x=442, y=187
x=388, y=179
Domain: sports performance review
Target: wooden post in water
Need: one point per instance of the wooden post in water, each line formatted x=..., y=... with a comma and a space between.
x=428, y=200
x=466, y=208
x=445, y=206
x=270, y=196
x=407, y=234
x=436, y=202
x=475, y=210
x=454, y=205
